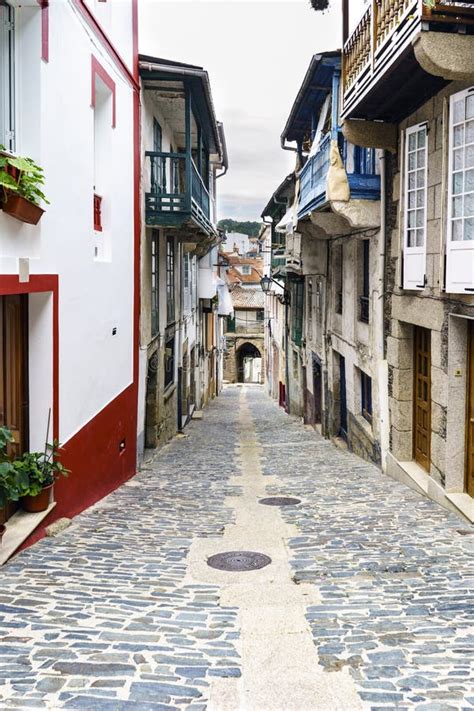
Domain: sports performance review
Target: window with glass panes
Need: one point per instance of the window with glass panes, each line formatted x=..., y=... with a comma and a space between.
x=170, y=289
x=366, y=396
x=154, y=283
x=462, y=168
x=7, y=76
x=416, y=186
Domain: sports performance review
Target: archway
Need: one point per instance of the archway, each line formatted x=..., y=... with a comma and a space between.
x=249, y=364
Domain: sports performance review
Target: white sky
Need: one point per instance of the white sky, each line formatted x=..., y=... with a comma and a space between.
x=256, y=53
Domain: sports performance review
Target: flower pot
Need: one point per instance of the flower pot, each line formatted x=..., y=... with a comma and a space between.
x=22, y=209
x=40, y=502
x=2, y=531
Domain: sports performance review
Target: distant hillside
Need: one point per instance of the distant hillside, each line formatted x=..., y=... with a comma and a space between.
x=246, y=228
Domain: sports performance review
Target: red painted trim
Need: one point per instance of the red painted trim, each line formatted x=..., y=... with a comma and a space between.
x=98, y=70
x=44, y=5
x=38, y=283
x=81, y=6
x=136, y=213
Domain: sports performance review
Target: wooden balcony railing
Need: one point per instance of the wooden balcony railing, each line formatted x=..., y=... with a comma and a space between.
x=386, y=27
x=177, y=191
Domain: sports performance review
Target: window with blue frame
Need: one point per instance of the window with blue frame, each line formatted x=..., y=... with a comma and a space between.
x=297, y=309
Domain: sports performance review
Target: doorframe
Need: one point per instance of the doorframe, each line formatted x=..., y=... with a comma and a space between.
x=41, y=283
x=469, y=375
x=416, y=330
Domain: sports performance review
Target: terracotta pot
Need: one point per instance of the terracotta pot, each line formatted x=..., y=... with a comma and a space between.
x=2, y=531
x=40, y=502
x=22, y=209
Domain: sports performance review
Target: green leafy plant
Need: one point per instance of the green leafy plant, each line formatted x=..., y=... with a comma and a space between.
x=9, y=480
x=319, y=5
x=36, y=470
x=29, y=179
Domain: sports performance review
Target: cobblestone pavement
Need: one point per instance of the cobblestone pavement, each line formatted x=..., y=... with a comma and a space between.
x=106, y=617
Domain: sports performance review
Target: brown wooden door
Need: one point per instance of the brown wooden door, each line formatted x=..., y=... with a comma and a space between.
x=14, y=369
x=422, y=398
x=470, y=415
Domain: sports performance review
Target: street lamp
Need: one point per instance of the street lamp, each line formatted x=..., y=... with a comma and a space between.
x=266, y=283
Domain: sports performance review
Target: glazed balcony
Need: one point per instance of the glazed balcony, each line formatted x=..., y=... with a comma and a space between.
x=361, y=169
x=177, y=195
x=400, y=45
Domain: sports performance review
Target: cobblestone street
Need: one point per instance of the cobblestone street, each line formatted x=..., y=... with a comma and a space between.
x=368, y=601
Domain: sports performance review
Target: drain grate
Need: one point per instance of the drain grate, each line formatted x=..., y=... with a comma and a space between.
x=238, y=561
x=280, y=501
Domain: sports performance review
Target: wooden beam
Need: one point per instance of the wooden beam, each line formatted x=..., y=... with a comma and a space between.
x=345, y=21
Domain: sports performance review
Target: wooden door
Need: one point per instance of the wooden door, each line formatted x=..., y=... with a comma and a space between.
x=422, y=398
x=14, y=369
x=343, y=398
x=470, y=414
x=318, y=391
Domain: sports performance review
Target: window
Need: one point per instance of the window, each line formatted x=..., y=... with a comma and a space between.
x=416, y=186
x=7, y=77
x=187, y=283
x=366, y=396
x=154, y=283
x=460, y=234
x=169, y=362
x=364, y=280
x=309, y=308
x=338, y=256
x=158, y=177
x=230, y=324
x=245, y=269
x=259, y=315
x=297, y=304
x=170, y=302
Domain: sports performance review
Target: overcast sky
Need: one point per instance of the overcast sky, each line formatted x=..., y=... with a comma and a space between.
x=256, y=53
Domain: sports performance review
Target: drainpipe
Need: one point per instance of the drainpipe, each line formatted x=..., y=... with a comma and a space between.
x=287, y=359
x=382, y=359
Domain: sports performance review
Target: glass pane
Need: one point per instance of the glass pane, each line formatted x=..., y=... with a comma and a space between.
x=420, y=198
x=457, y=207
x=412, y=219
x=421, y=159
x=411, y=181
x=411, y=200
x=469, y=229
x=459, y=136
x=412, y=142
x=458, y=162
x=459, y=111
x=469, y=157
x=421, y=138
x=420, y=238
x=469, y=181
x=411, y=238
x=470, y=132
x=457, y=231
x=470, y=106
x=420, y=218
x=457, y=183
x=420, y=178
x=412, y=161
x=469, y=204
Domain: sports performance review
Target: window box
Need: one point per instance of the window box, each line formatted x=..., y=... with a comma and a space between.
x=22, y=209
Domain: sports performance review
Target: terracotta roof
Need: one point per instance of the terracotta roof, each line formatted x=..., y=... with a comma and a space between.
x=234, y=276
x=247, y=298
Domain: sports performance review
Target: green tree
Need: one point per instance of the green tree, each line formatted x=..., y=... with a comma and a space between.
x=246, y=228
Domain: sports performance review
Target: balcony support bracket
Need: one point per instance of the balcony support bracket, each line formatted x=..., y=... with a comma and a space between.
x=371, y=134
x=446, y=55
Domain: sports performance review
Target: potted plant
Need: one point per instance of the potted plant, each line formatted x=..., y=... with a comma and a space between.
x=37, y=472
x=21, y=180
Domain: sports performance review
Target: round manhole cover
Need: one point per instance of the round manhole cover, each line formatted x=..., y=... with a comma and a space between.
x=238, y=561
x=280, y=501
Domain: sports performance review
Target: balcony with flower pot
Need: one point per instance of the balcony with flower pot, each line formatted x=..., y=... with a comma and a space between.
x=21, y=181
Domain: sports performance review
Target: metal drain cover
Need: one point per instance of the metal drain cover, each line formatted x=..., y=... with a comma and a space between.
x=280, y=501
x=238, y=561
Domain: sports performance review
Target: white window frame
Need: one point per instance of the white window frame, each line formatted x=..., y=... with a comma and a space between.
x=7, y=77
x=414, y=256
x=459, y=253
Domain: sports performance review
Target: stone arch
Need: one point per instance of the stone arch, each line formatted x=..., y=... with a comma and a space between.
x=246, y=351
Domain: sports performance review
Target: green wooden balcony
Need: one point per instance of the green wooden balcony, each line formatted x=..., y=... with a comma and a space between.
x=177, y=195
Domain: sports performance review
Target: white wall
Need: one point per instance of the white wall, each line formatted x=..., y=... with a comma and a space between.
x=56, y=129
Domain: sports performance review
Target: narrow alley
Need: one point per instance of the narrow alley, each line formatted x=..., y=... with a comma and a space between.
x=367, y=601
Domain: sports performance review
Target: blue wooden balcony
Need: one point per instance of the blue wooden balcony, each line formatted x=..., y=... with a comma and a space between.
x=177, y=195
x=361, y=167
